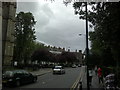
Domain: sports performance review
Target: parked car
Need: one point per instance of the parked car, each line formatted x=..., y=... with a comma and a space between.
x=17, y=78
x=74, y=66
x=58, y=70
x=79, y=65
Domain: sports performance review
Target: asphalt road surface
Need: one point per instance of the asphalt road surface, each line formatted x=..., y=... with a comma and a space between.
x=49, y=80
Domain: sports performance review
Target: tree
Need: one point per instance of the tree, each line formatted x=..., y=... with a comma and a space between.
x=24, y=36
x=40, y=55
x=104, y=18
x=68, y=57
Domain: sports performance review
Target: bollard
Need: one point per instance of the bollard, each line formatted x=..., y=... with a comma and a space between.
x=80, y=87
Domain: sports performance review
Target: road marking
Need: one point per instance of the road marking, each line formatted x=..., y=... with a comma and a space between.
x=77, y=81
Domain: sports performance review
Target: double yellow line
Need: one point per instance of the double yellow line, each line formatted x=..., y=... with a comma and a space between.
x=74, y=86
x=76, y=82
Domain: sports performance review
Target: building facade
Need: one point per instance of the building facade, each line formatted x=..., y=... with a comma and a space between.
x=59, y=50
x=8, y=26
x=0, y=45
x=56, y=50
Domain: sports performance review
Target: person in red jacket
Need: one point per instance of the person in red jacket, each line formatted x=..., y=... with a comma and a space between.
x=100, y=76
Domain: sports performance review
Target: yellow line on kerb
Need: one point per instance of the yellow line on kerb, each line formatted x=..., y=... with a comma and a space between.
x=76, y=82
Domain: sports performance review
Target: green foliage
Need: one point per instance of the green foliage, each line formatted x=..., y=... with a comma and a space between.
x=104, y=18
x=105, y=39
x=94, y=59
x=24, y=36
x=68, y=57
x=42, y=54
x=38, y=45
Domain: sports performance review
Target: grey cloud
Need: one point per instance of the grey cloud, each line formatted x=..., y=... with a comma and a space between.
x=48, y=12
x=42, y=22
x=43, y=16
x=64, y=38
x=63, y=34
x=56, y=25
x=27, y=6
x=74, y=43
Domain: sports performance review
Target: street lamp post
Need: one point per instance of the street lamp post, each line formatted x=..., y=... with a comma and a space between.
x=87, y=50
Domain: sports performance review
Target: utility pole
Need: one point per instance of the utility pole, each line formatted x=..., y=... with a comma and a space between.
x=87, y=50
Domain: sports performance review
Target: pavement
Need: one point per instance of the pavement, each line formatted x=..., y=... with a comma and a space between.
x=42, y=71
x=95, y=82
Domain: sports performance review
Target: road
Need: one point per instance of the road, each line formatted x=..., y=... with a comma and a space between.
x=49, y=80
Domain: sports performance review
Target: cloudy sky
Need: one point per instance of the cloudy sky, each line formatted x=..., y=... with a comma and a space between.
x=57, y=25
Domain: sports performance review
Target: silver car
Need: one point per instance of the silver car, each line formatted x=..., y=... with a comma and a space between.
x=58, y=70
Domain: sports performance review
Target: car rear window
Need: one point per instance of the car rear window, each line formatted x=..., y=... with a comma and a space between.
x=58, y=67
x=8, y=73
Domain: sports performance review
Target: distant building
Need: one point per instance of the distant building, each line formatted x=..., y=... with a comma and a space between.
x=8, y=24
x=56, y=50
x=79, y=56
x=40, y=43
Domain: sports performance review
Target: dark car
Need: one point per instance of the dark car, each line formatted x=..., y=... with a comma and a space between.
x=17, y=78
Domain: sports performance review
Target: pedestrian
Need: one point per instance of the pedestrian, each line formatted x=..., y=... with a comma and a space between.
x=96, y=69
x=90, y=76
x=100, y=76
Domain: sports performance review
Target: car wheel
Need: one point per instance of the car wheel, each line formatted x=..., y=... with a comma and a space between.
x=17, y=83
x=35, y=80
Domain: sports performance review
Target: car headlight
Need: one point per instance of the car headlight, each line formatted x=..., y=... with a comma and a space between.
x=10, y=80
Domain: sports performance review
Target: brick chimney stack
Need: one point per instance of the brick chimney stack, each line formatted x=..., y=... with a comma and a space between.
x=80, y=51
x=76, y=50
